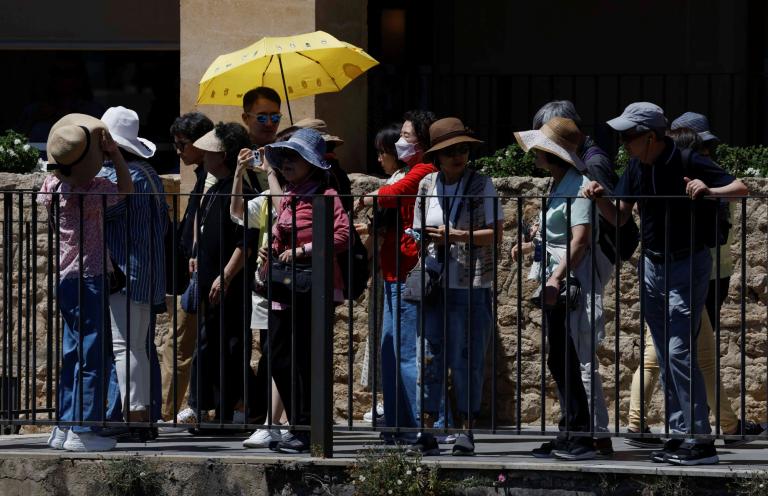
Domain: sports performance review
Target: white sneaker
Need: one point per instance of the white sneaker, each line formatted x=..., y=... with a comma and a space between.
x=88, y=441
x=166, y=427
x=264, y=438
x=239, y=417
x=186, y=416
x=57, y=438
x=368, y=417
x=285, y=434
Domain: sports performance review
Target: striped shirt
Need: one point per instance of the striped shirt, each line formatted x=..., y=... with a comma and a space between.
x=148, y=220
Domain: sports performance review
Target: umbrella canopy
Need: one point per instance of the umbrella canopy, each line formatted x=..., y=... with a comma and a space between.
x=294, y=66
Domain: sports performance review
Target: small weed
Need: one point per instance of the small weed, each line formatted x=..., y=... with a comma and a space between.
x=392, y=472
x=132, y=477
x=664, y=485
x=756, y=484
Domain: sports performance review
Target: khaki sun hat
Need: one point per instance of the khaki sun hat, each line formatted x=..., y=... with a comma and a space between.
x=74, y=148
x=209, y=142
x=446, y=132
x=558, y=136
x=318, y=125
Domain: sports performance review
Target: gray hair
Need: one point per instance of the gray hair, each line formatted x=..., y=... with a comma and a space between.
x=556, y=108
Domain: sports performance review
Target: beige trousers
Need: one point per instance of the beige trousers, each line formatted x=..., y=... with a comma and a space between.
x=186, y=336
x=706, y=349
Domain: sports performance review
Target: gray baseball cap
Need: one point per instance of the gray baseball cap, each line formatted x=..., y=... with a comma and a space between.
x=695, y=122
x=640, y=115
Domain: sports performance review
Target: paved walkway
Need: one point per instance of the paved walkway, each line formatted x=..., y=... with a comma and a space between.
x=497, y=452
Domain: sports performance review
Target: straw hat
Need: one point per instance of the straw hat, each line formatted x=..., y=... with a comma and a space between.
x=446, y=132
x=209, y=142
x=318, y=125
x=558, y=136
x=123, y=125
x=74, y=148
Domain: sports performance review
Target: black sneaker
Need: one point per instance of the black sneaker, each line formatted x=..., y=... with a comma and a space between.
x=294, y=444
x=653, y=442
x=425, y=445
x=464, y=445
x=546, y=449
x=694, y=454
x=577, y=449
x=603, y=447
x=670, y=447
x=750, y=429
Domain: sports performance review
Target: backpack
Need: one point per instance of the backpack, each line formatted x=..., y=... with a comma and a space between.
x=629, y=234
x=708, y=209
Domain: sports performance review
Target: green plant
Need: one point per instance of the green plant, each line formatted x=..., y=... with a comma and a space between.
x=754, y=484
x=16, y=154
x=132, y=477
x=509, y=161
x=392, y=472
x=743, y=161
x=665, y=485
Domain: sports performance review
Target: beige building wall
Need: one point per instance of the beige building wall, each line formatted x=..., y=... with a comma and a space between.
x=209, y=29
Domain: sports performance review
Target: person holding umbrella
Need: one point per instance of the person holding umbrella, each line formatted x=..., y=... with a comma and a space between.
x=261, y=115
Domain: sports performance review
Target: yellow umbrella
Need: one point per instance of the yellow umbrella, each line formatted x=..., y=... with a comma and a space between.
x=294, y=66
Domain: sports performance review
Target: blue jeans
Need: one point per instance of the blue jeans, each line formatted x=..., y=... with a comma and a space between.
x=401, y=406
x=95, y=362
x=467, y=369
x=683, y=307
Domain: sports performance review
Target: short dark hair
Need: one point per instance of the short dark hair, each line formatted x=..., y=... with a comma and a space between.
x=421, y=120
x=234, y=137
x=260, y=92
x=386, y=138
x=192, y=125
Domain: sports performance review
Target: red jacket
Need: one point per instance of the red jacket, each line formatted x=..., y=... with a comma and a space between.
x=409, y=249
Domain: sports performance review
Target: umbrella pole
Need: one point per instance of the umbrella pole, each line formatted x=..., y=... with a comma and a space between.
x=285, y=88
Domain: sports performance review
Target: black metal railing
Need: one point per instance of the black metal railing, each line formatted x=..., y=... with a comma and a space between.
x=33, y=328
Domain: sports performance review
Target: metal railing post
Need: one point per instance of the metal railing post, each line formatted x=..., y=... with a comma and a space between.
x=322, y=326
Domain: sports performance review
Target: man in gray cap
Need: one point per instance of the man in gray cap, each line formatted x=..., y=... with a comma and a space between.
x=656, y=168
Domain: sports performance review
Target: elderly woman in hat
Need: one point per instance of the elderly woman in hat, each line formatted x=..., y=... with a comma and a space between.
x=300, y=162
x=77, y=146
x=458, y=216
x=568, y=221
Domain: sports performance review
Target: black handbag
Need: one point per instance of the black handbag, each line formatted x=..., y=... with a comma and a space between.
x=283, y=282
x=415, y=292
x=116, y=278
x=569, y=293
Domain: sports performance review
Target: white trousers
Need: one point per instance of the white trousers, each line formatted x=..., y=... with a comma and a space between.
x=135, y=353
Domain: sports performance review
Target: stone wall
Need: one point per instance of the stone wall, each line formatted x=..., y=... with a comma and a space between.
x=507, y=336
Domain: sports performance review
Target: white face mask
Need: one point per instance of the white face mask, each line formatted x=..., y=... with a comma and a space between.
x=405, y=150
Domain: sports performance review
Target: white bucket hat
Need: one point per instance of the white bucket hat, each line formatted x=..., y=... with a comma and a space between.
x=558, y=136
x=123, y=125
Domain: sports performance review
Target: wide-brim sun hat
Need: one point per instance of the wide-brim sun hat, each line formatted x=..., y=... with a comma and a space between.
x=448, y=132
x=695, y=122
x=318, y=125
x=643, y=116
x=308, y=143
x=209, y=142
x=558, y=136
x=74, y=145
x=123, y=125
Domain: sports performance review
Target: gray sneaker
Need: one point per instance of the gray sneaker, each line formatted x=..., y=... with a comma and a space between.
x=464, y=445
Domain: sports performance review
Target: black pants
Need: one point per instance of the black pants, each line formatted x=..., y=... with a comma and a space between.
x=575, y=401
x=293, y=377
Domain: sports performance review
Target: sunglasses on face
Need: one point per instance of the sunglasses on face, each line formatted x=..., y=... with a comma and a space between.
x=453, y=150
x=263, y=118
x=281, y=157
x=629, y=137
